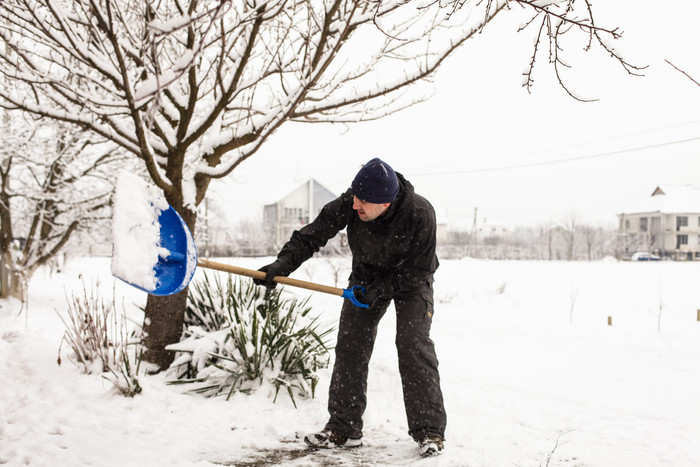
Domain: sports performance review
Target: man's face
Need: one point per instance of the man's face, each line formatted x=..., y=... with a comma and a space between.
x=368, y=211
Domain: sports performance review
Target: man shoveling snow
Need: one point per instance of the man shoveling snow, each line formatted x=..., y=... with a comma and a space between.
x=392, y=235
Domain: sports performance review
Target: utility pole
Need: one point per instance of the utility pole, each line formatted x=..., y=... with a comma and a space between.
x=472, y=235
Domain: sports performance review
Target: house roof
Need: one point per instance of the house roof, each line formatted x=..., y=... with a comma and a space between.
x=281, y=192
x=669, y=199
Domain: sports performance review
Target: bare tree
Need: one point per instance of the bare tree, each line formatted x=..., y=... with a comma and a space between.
x=54, y=181
x=591, y=238
x=193, y=88
x=570, y=228
x=553, y=23
x=547, y=234
x=248, y=238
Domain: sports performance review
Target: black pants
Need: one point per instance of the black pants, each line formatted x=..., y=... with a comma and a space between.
x=418, y=366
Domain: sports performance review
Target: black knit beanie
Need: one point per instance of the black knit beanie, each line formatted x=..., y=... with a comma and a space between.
x=376, y=183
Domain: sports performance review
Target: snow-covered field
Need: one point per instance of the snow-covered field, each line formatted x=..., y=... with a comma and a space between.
x=532, y=376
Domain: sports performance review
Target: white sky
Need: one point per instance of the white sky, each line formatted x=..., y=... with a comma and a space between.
x=482, y=141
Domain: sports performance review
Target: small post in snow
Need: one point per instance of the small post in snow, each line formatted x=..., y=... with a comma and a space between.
x=609, y=320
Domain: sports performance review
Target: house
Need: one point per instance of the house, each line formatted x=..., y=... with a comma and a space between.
x=666, y=224
x=294, y=210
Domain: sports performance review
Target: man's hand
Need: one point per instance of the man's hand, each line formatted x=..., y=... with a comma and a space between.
x=371, y=295
x=271, y=270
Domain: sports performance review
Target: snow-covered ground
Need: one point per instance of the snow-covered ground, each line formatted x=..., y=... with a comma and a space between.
x=531, y=372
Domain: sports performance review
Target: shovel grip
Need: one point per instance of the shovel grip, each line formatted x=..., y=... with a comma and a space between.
x=350, y=295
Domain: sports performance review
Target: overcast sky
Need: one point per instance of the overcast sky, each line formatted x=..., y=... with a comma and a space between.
x=483, y=142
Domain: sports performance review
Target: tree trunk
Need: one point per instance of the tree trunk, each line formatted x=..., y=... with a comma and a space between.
x=163, y=326
x=6, y=260
x=11, y=283
x=5, y=276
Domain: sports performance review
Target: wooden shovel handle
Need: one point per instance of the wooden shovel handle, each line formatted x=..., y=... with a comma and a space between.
x=205, y=263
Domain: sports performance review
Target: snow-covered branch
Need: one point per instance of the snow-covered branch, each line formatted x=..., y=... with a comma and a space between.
x=201, y=87
x=54, y=181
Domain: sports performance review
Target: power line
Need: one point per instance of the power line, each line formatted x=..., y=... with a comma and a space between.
x=576, y=145
x=559, y=161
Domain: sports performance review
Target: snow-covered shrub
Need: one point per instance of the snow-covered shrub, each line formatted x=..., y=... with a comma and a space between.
x=239, y=336
x=99, y=341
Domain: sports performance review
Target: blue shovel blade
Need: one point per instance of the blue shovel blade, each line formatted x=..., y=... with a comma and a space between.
x=174, y=271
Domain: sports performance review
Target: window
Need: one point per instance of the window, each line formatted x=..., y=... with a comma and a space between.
x=681, y=240
x=681, y=221
x=643, y=224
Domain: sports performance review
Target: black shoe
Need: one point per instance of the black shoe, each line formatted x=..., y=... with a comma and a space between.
x=430, y=446
x=328, y=439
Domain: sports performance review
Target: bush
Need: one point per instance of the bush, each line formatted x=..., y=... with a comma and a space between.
x=99, y=341
x=239, y=336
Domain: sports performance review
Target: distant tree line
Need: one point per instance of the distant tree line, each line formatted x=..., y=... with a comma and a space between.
x=546, y=242
x=568, y=240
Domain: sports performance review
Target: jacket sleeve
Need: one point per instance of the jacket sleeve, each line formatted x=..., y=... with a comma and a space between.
x=309, y=239
x=422, y=262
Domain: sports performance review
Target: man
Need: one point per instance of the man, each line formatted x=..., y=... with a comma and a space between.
x=391, y=233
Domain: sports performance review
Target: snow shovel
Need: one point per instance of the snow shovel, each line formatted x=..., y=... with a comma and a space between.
x=177, y=261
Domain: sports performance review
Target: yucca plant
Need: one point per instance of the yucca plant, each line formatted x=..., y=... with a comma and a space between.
x=239, y=336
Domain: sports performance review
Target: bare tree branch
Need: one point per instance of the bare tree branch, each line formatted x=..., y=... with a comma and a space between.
x=683, y=72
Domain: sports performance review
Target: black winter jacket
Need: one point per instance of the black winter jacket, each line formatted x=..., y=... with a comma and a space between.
x=397, y=248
